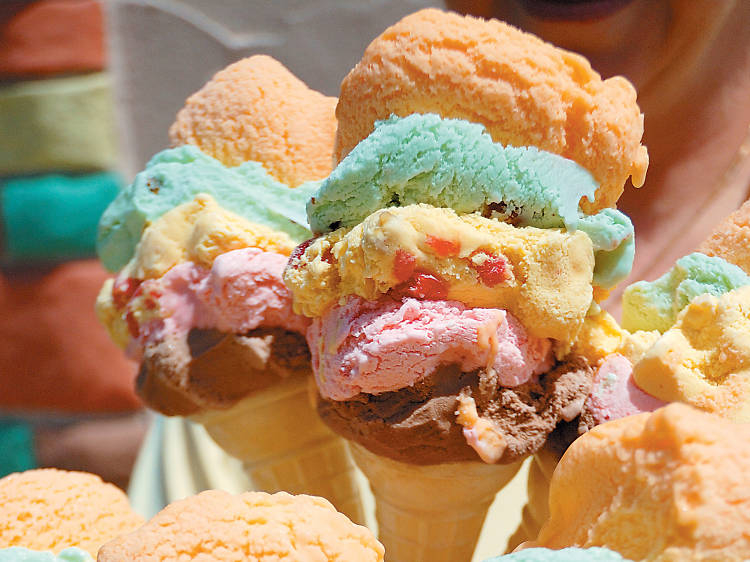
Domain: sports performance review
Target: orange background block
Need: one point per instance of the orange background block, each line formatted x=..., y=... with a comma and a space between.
x=55, y=355
x=51, y=37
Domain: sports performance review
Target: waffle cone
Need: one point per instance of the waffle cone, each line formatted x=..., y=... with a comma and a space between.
x=284, y=446
x=431, y=513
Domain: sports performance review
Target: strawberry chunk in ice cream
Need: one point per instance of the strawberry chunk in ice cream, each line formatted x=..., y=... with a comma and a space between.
x=385, y=345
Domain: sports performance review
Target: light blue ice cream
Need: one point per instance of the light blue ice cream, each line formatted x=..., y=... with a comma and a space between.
x=571, y=554
x=18, y=554
x=654, y=305
x=176, y=176
x=454, y=163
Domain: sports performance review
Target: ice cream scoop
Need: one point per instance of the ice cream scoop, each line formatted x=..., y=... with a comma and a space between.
x=655, y=305
x=543, y=276
x=524, y=91
x=176, y=176
x=653, y=487
x=256, y=110
x=453, y=163
x=216, y=525
x=200, y=240
x=50, y=509
x=454, y=206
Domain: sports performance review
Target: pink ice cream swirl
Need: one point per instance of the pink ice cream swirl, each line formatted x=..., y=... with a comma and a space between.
x=242, y=291
x=386, y=345
x=615, y=395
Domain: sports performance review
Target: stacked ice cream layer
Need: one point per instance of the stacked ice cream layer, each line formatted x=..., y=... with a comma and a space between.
x=463, y=238
x=452, y=273
x=685, y=337
x=201, y=237
x=200, y=240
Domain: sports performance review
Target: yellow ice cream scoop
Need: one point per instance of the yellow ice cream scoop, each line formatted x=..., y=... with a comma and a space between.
x=199, y=231
x=704, y=359
x=542, y=276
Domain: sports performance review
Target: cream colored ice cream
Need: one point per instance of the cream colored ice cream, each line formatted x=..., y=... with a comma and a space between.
x=524, y=91
x=543, y=276
x=704, y=359
x=49, y=509
x=218, y=526
x=255, y=109
x=667, y=485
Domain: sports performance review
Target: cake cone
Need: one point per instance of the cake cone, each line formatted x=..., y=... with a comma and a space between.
x=431, y=513
x=284, y=446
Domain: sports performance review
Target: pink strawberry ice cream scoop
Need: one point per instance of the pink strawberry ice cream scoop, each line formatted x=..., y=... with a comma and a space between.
x=615, y=395
x=386, y=345
x=241, y=291
x=429, y=382
x=208, y=336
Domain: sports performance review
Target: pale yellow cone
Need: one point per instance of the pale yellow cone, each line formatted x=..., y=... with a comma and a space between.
x=431, y=513
x=536, y=510
x=283, y=445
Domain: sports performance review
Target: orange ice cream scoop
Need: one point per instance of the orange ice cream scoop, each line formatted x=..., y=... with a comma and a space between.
x=219, y=526
x=731, y=239
x=255, y=109
x=524, y=91
x=50, y=509
x=666, y=485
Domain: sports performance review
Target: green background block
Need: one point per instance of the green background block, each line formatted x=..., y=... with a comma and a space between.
x=17, y=446
x=60, y=124
x=53, y=217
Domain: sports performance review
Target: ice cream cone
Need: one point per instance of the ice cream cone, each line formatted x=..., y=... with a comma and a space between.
x=536, y=510
x=434, y=512
x=284, y=446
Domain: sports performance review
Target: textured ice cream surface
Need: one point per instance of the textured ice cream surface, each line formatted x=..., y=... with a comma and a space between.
x=212, y=370
x=667, y=485
x=380, y=346
x=20, y=554
x=524, y=91
x=655, y=305
x=240, y=291
x=541, y=276
x=255, y=109
x=208, y=337
x=50, y=509
x=218, y=526
x=176, y=176
x=455, y=164
x=704, y=359
x=199, y=231
x=419, y=424
x=615, y=395
x=731, y=239
x=572, y=554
